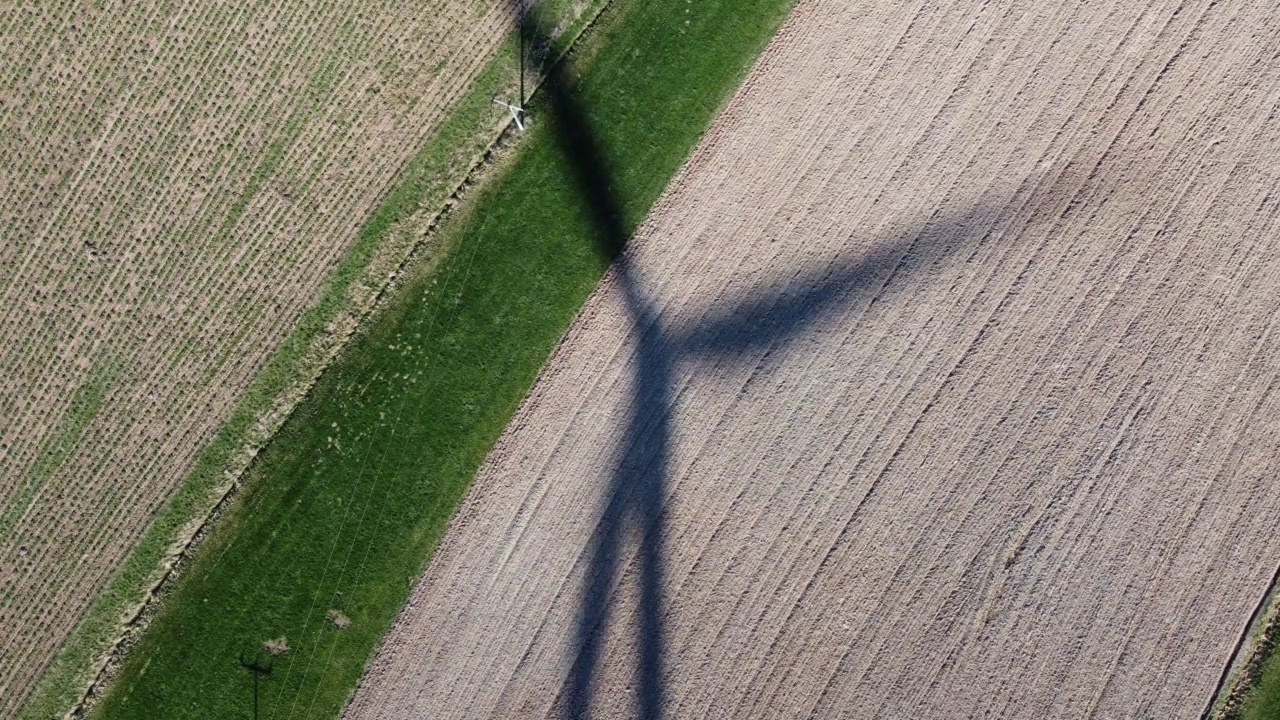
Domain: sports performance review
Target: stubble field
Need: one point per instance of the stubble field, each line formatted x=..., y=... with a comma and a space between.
x=180, y=184
x=942, y=383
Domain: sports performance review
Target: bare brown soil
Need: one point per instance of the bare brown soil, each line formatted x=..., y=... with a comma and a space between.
x=965, y=317
x=178, y=182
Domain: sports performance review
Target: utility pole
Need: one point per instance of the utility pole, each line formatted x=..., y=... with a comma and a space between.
x=258, y=671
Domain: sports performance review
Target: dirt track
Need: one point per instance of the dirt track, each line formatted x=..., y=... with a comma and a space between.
x=966, y=317
x=177, y=183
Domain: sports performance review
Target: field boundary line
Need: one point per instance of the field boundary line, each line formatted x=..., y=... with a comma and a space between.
x=1244, y=668
x=1258, y=639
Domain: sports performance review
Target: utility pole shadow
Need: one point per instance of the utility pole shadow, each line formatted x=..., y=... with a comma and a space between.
x=259, y=671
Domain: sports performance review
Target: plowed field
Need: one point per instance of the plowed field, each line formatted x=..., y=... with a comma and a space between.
x=178, y=182
x=942, y=383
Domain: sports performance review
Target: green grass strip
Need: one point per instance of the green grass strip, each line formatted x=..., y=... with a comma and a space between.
x=1257, y=694
x=344, y=507
x=1264, y=701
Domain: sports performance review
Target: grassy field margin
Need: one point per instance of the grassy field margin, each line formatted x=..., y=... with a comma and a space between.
x=393, y=233
x=341, y=511
x=1251, y=688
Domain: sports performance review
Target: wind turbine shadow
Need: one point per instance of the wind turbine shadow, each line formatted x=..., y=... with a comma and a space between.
x=637, y=486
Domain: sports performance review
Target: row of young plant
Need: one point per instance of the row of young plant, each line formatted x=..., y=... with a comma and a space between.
x=100, y=204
